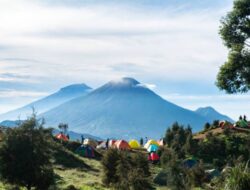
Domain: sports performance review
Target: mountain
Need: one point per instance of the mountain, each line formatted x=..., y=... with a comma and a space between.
x=63, y=95
x=122, y=109
x=78, y=136
x=9, y=123
x=211, y=114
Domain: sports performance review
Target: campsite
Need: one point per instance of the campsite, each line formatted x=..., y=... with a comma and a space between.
x=82, y=164
x=125, y=95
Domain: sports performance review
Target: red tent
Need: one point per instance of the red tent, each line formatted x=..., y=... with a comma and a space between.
x=122, y=145
x=153, y=157
x=61, y=136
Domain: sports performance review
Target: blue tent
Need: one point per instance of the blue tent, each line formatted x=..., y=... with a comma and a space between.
x=86, y=151
x=153, y=148
x=189, y=163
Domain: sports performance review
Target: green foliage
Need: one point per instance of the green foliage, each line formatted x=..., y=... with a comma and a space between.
x=180, y=139
x=123, y=171
x=238, y=178
x=234, y=75
x=197, y=175
x=25, y=155
x=177, y=178
x=220, y=150
x=109, y=162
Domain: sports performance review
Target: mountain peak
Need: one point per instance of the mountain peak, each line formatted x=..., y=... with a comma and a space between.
x=125, y=81
x=208, y=108
x=75, y=87
x=210, y=112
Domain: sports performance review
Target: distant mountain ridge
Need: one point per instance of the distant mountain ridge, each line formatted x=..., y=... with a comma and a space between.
x=73, y=135
x=122, y=109
x=63, y=95
x=211, y=114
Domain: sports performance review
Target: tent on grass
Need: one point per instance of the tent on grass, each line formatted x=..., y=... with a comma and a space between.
x=153, y=157
x=111, y=143
x=86, y=151
x=121, y=145
x=90, y=142
x=151, y=141
x=61, y=136
x=134, y=144
x=153, y=148
x=161, y=142
x=102, y=145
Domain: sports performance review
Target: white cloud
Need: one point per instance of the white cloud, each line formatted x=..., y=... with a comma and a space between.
x=70, y=41
x=58, y=45
x=14, y=93
x=149, y=86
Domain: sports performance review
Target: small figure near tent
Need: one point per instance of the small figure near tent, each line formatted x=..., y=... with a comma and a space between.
x=82, y=137
x=67, y=136
x=107, y=143
x=245, y=118
x=141, y=141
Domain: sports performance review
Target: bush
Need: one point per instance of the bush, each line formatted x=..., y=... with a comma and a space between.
x=125, y=172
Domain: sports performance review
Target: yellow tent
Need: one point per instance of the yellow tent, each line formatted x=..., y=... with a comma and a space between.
x=150, y=142
x=134, y=144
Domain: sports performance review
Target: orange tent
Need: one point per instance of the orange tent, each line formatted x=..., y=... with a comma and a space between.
x=61, y=136
x=161, y=142
x=122, y=145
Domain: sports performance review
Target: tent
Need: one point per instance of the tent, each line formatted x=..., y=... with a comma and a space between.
x=86, y=151
x=161, y=142
x=122, y=145
x=90, y=142
x=111, y=143
x=134, y=144
x=61, y=136
x=102, y=145
x=150, y=142
x=152, y=148
x=153, y=157
x=242, y=123
x=212, y=173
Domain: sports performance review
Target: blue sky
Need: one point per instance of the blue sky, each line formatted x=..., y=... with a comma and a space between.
x=173, y=45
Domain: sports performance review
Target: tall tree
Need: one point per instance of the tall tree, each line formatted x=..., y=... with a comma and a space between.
x=234, y=75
